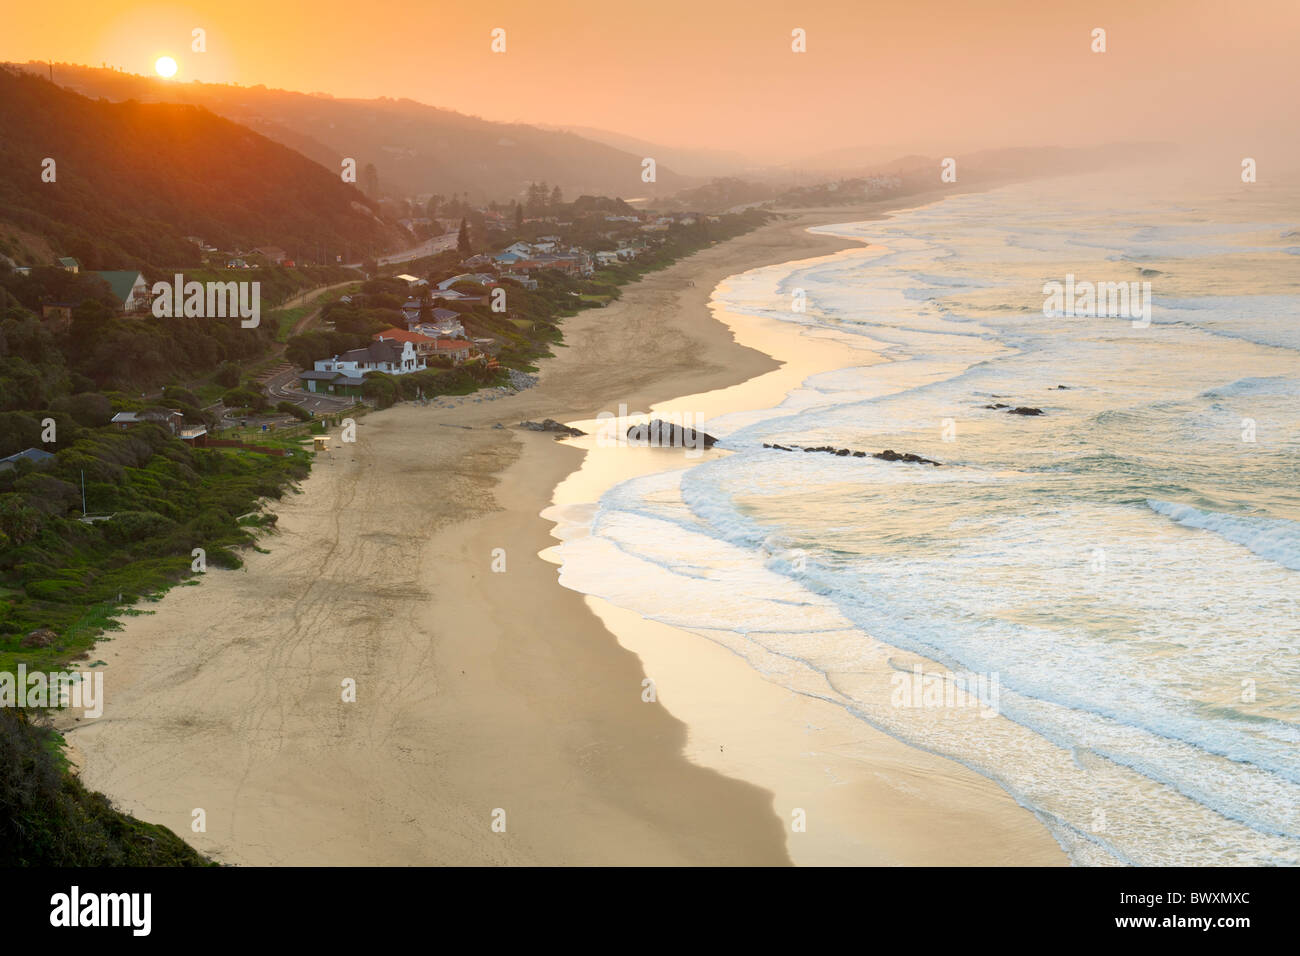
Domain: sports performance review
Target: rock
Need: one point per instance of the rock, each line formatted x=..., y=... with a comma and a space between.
x=998, y=405
x=886, y=455
x=661, y=434
x=551, y=425
x=890, y=455
x=1025, y=410
x=498, y=425
x=1062, y=388
x=41, y=637
x=520, y=380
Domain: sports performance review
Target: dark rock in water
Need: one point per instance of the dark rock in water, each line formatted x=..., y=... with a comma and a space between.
x=661, y=434
x=41, y=637
x=551, y=425
x=887, y=455
x=1023, y=410
x=998, y=405
x=1062, y=388
x=1150, y=272
x=890, y=455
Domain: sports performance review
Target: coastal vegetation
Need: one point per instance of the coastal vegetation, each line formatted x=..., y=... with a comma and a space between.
x=48, y=818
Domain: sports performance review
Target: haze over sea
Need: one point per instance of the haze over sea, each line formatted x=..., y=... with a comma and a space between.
x=1126, y=564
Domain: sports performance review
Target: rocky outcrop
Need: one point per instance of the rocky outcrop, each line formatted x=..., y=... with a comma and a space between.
x=1025, y=410
x=551, y=425
x=887, y=455
x=661, y=434
x=890, y=455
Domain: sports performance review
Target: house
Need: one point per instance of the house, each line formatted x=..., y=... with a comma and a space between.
x=69, y=264
x=441, y=324
x=172, y=419
x=58, y=314
x=412, y=281
x=328, y=381
x=36, y=456
x=390, y=356
x=458, y=350
x=422, y=344
x=129, y=288
x=273, y=254
x=607, y=258
x=528, y=283
x=236, y=264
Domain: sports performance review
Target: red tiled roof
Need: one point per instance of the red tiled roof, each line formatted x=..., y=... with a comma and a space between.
x=401, y=335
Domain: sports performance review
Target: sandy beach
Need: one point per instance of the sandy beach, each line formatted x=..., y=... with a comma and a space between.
x=482, y=690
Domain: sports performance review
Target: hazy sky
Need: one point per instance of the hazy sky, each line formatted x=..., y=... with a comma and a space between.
x=937, y=75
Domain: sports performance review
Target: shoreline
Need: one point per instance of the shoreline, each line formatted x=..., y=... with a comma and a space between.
x=479, y=690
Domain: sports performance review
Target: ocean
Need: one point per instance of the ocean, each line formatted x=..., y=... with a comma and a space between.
x=1121, y=570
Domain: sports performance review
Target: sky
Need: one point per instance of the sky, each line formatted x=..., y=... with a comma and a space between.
x=934, y=76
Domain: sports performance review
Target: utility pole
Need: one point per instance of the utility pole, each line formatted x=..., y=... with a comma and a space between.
x=83, y=492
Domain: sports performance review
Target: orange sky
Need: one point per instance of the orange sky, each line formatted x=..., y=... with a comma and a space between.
x=937, y=75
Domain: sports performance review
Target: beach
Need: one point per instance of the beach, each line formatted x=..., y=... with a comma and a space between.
x=499, y=716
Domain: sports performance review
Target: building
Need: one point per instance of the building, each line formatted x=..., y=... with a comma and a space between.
x=458, y=350
x=344, y=373
x=129, y=289
x=324, y=381
x=172, y=419
x=36, y=456
x=422, y=344
x=272, y=254
x=57, y=314
x=428, y=346
x=526, y=281
x=412, y=281
x=69, y=264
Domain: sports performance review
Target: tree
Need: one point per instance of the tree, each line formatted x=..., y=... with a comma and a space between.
x=227, y=375
x=519, y=216
x=557, y=197
x=463, y=245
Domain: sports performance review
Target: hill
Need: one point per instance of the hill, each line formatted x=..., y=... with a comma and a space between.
x=416, y=149
x=134, y=179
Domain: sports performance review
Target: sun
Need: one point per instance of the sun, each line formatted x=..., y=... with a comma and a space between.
x=166, y=67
